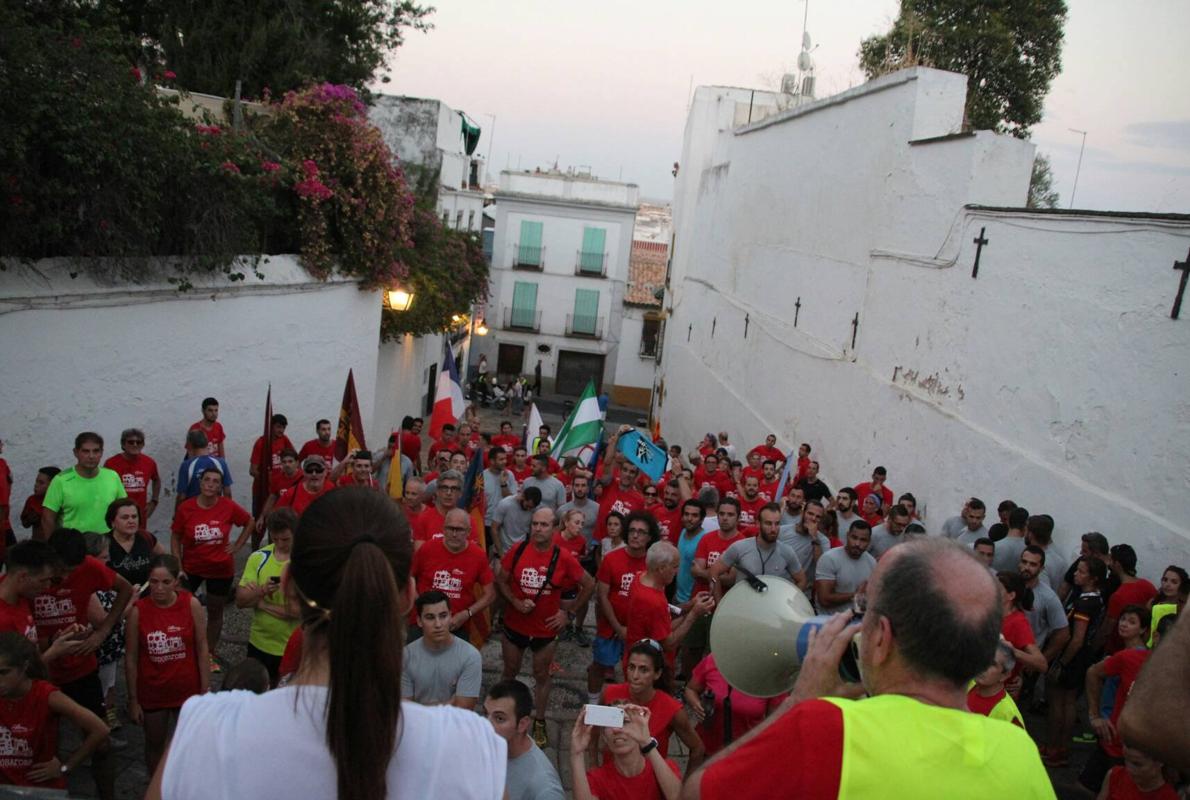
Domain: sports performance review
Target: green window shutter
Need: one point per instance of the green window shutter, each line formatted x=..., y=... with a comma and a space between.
x=524, y=304
x=592, y=255
x=529, y=246
x=586, y=310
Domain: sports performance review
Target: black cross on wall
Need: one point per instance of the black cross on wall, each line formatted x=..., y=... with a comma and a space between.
x=797, y=309
x=714, y=322
x=1184, y=266
x=854, y=329
x=979, y=241
x=746, y=318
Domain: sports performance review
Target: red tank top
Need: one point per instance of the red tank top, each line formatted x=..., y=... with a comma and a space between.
x=28, y=735
x=167, y=663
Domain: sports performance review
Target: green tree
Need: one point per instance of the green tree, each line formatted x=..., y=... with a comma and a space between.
x=1042, y=193
x=273, y=45
x=1010, y=51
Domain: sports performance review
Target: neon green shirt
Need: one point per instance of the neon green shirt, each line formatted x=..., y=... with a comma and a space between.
x=81, y=503
x=268, y=633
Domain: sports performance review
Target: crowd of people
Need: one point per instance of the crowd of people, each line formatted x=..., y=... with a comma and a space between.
x=368, y=613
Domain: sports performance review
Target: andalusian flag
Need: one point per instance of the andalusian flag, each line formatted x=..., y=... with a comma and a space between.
x=582, y=428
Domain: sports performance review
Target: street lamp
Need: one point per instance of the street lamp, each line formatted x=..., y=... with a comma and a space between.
x=481, y=329
x=399, y=298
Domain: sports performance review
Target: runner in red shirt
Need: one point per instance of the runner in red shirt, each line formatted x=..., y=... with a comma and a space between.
x=455, y=566
x=750, y=504
x=29, y=718
x=312, y=486
x=202, y=541
x=862, y=490
x=166, y=660
x=520, y=466
x=531, y=579
x=1133, y=591
x=449, y=441
x=648, y=609
x=31, y=569
x=431, y=523
x=1017, y=599
x=321, y=445
x=410, y=441
x=280, y=443
x=649, y=683
x=621, y=496
x=1125, y=665
x=712, y=546
x=768, y=451
x=356, y=470
x=669, y=513
x=506, y=438
x=636, y=770
x=137, y=472
x=413, y=501
x=32, y=513
x=770, y=481
x=209, y=425
x=613, y=582
x=711, y=473
x=1141, y=778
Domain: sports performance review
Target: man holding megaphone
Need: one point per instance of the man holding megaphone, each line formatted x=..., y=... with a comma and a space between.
x=931, y=623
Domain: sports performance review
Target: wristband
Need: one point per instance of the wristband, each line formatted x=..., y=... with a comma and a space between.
x=468, y=613
x=645, y=749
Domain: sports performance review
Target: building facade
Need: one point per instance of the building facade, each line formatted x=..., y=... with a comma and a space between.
x=560, y=252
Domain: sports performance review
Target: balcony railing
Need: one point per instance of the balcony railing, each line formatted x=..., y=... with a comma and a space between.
x=522, y=319
x=648, y=348
x=525, y=256
x=590, y=265
x=584, y=326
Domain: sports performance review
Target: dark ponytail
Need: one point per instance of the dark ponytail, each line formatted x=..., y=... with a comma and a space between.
x=350, y=565
x=1013, y=582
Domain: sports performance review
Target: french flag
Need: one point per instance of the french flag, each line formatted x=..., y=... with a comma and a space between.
x=448, y=395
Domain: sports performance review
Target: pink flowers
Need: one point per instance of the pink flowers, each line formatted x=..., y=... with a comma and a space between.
x=135, y=73
x=269, y=166
x=169, y=75
x=210, y=130
x=230, y=166
x=312, y=188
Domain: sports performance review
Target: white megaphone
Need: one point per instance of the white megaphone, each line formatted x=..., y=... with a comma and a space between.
x=760, y=634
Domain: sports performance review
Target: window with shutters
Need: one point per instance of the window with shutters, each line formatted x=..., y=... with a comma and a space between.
x=524, y=306
x=585, y=320
x=529, y=251
x=592, y=258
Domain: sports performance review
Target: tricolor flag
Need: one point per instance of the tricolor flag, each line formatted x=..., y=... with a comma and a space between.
x=260, y=486
x=582, y=429
x=350, y=436
x=448, y=396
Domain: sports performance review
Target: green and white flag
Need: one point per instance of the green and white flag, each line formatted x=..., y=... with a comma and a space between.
x=582, y=428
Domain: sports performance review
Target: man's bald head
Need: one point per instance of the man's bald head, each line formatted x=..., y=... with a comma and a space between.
x=943, y=607
x=457, y=516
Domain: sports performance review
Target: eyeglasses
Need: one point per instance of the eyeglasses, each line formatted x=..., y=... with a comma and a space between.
x=454, y=529
x=314, y=470
x=446, y=487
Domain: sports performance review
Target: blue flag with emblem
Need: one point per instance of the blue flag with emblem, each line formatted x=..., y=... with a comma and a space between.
x=648, y=457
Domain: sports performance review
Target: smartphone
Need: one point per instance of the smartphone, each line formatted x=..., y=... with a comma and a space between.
x=603, y=716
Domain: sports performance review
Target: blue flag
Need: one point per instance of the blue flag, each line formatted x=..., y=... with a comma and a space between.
x=789, y=461
x=650, y=458
x=471, y=479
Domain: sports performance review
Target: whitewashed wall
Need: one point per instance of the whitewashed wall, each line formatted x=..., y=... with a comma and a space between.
x=402, y=381
x=1056, y=378
x=631, y=369
x=81, y=355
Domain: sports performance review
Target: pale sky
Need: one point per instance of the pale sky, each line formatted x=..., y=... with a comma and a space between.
x=606, y=85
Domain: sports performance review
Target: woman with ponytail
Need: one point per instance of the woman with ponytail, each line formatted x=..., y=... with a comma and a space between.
x=339, y=729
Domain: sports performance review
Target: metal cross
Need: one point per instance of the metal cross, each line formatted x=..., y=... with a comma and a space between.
x=797, y=309
x=854, y=329
x=1184, y=266
x=980, y=241
x=689, y=331
x=714, y=322
x=746, y=317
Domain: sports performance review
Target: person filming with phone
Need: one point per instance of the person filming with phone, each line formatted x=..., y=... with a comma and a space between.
x=931, y=623
x=274, y=616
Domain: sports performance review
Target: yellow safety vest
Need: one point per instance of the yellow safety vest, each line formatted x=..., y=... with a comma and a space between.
x=897, y=747
x=1160, y=612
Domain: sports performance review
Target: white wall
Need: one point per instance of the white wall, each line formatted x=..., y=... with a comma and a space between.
x=565, y=186
x=631, y=369
x=1056, y=378
x=85, y=355
x=402, y=378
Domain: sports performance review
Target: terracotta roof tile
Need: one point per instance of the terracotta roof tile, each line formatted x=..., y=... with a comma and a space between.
x=646, y=273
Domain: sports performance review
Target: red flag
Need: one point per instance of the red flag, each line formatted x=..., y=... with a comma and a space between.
x=264, y=465
x=351, y=427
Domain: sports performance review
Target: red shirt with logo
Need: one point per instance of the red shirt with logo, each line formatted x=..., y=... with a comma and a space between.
x=750, y=514
x=299, y=498
x=527, y=582
x=314, y=447
x=454, y=574
x=669, y=520
x=279, y=443
x=136, y=474
x=616, y=499
x=431, y=521
x=205, y=534
x=607, y=783
x=167, y=657
x=28, y=736
x=215, y=437
x=66, y=604
x=279, y=481
x=710, y=548
x=619, y=570
x=18, y=618
x=508, y=441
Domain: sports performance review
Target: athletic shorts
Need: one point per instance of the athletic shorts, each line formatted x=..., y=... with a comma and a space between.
x=607, y=652
x=534, y=643
x=218, y=587
x=87, y=692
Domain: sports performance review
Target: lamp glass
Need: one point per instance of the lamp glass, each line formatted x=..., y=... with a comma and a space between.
x=399, y=299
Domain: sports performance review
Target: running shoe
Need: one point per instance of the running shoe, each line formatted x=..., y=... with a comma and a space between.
x=540, y=737
x=215, y=667
x=1085, y=738
x=113, y=719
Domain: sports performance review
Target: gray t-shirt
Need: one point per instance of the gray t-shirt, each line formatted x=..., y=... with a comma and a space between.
x=492, y=494
x=590, y=511
x=968, y=538
x=1047, y=615
x=1055, y=567
x=1008, y=554
x=955, y=527
x=803, y=547
x=847, y=573
x=780, y=559
x=531, y=776
x=884, y=540
x=431, y=677
x=553, y=493
x=514, y=521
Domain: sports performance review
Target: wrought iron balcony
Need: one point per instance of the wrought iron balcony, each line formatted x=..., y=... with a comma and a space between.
x=590, y=265
x=531, y=257
x=584, y=326
x=522, y=319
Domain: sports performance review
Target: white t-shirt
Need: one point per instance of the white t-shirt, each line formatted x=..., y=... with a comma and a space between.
x=239, y=744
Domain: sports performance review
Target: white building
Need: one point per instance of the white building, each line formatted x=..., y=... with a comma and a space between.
x=823, y=288
x=560, y=256
x=430, y=138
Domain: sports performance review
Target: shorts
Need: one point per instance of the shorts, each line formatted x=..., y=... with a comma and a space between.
x=570, y=594
x=87, y=692
x=218, y=587
x=699, y=635
x=107, y=677
x=1074, y=674
x=271, y=662
x=534, y=643
x=607, y=652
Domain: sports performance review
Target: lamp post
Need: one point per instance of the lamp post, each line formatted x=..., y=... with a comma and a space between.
x=399, y=298
x=1079, y=168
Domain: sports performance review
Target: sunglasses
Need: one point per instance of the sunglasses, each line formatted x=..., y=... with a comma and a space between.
x=314, y=470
